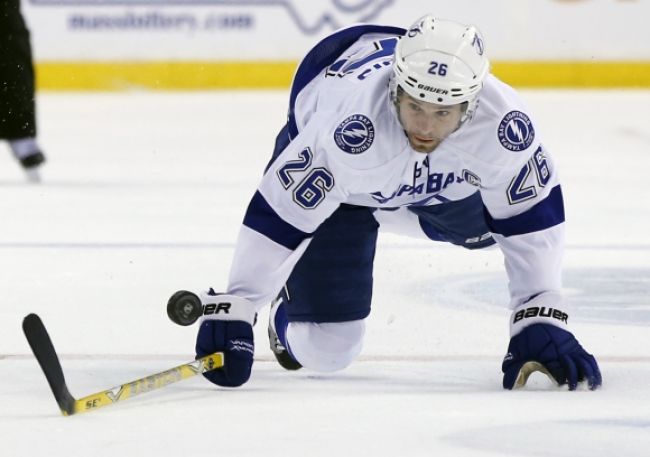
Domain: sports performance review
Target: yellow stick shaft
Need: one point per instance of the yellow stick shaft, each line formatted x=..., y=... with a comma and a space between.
x=147, y=384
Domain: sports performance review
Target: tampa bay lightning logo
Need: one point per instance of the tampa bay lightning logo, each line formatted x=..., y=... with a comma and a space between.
x=516, y=131
x=355, y=134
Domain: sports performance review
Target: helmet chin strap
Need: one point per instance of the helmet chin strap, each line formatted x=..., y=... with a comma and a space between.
x=472, y=106
x=469, y=114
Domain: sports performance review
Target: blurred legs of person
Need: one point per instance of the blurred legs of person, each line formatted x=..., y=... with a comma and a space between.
x=17, y=101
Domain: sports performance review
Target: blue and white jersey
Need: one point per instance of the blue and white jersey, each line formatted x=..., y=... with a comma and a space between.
x=347, y=146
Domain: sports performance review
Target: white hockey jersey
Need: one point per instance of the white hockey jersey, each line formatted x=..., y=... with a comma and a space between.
x=347, y=146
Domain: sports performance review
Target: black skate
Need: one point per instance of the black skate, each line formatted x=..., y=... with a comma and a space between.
x=31, y=164
x=281, y=353
x=32, y=160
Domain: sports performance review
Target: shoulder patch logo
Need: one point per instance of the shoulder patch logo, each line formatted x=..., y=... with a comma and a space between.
x=516, y=131
x=355, y=134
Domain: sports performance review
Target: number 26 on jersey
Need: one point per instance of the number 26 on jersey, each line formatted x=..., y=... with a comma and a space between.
x=314, y=184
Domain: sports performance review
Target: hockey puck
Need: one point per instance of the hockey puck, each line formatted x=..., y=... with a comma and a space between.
x=184, y=308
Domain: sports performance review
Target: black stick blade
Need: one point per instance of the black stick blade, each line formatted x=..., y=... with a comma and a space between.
x=46, y=356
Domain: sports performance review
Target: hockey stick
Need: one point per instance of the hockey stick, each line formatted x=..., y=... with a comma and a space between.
x=46, y=356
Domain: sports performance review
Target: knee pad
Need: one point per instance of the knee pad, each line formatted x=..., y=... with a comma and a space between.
x=328, y=346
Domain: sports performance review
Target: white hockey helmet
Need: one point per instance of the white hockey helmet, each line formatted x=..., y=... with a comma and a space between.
x=440, y=61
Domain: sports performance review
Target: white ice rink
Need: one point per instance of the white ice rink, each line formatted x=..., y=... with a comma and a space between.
x=143, y=194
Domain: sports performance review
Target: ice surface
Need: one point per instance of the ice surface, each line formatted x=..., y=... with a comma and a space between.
x=143, y=195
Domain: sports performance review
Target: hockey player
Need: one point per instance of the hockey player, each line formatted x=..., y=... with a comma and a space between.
x=17, y=106
x=395, y=128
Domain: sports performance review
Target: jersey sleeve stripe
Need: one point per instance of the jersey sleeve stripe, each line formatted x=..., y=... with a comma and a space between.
x=324, y=54
x=545, y=214
x=263, y=219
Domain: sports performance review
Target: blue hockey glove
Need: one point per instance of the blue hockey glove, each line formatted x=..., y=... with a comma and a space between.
x=227, y=325
x=540, y=342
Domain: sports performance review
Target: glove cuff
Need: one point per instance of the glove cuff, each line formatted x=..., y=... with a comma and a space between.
x=546, y=308
x=227, y=308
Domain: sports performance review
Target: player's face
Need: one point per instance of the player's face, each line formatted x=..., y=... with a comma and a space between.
x=426, y=124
